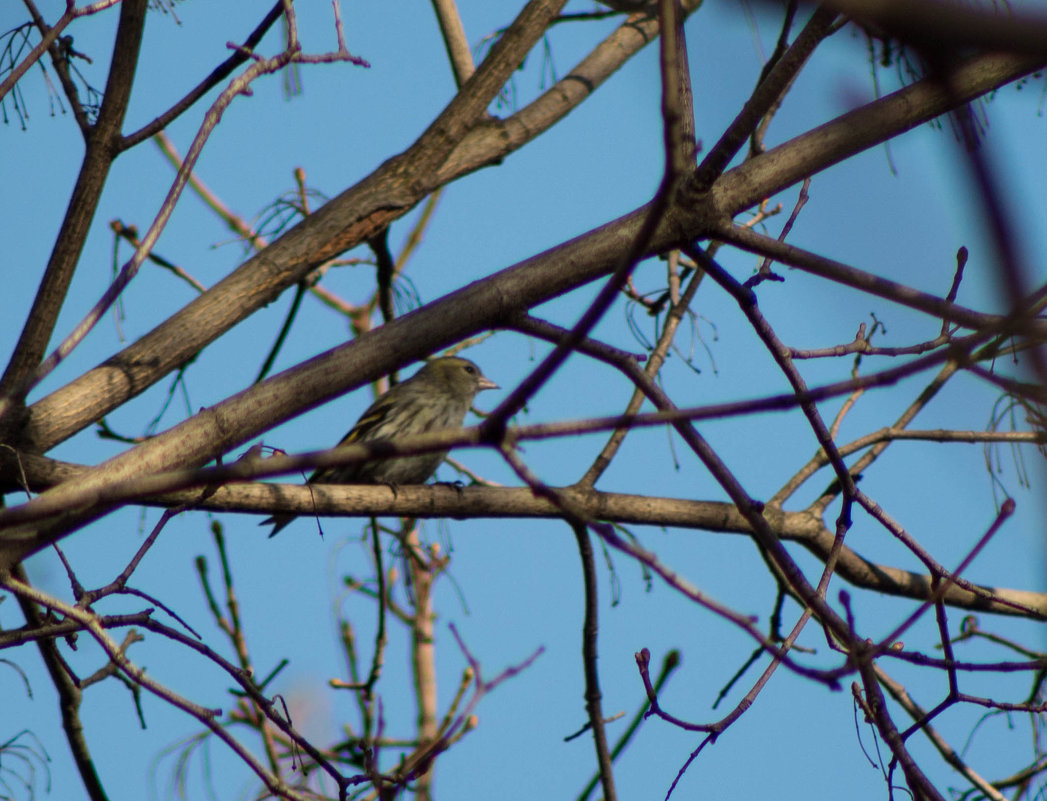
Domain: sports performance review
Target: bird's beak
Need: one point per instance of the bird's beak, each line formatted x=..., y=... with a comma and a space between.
x=487, y=383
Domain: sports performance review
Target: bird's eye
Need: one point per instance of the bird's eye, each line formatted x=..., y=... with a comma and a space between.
x=470, y=369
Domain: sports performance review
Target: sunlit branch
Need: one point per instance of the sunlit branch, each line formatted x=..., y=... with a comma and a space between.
x=455, y=41
x=208, y=717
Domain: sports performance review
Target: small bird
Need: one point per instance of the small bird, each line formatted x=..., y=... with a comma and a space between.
x=435, y=398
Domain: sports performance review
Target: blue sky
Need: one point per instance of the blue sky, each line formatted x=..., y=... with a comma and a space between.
x=516, y=583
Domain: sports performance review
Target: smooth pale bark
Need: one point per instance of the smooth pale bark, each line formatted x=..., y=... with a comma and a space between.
x=488, y=302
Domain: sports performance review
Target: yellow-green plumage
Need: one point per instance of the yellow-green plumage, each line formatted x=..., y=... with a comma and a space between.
x=435, y=398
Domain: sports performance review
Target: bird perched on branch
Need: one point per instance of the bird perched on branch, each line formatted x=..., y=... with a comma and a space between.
x=435, y=398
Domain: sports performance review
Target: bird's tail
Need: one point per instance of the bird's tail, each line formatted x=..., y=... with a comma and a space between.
x=278, y=522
